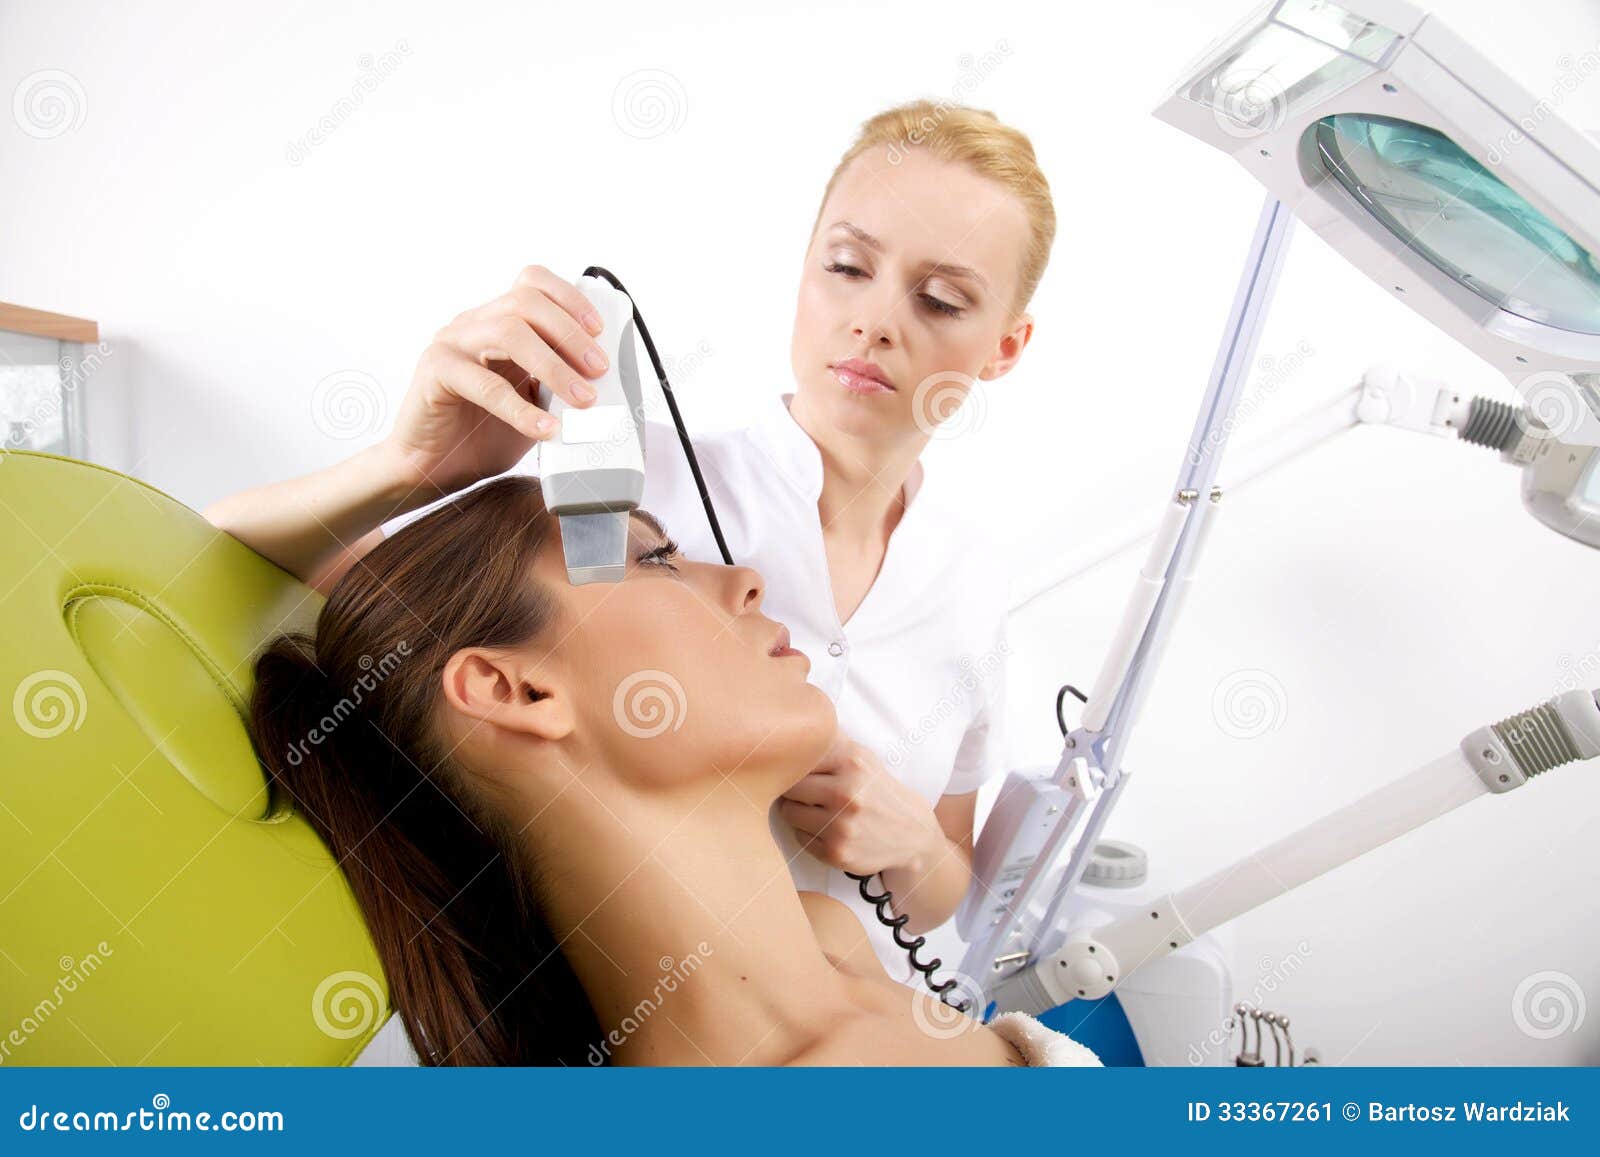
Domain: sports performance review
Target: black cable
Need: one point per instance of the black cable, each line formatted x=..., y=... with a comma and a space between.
x=672, y=405
x=1061, y=697
x=881, y=902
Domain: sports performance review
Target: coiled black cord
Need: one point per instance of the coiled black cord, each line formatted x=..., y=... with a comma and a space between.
x=882, y=901
x=881, y=904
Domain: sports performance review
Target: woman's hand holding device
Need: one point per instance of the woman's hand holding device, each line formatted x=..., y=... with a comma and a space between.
x=487, y=362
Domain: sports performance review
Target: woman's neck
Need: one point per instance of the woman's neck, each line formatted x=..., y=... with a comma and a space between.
x=863, y=480
x=683, y=925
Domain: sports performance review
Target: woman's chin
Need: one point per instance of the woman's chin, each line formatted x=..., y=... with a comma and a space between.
x=866, y=416
x=819, y=724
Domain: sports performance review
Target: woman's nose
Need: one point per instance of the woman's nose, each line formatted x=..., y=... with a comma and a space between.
x=873, y=331
x=875, y=321
x=876, y=335
x=747, y=587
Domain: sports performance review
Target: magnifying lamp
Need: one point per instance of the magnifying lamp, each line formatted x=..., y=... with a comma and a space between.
x=1422, y=163
x=1473, y=204
x=1450, y=186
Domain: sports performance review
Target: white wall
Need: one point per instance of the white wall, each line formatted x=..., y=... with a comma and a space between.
x=1390, y=585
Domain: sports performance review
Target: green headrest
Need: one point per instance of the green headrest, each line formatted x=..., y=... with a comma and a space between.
x=158, y=904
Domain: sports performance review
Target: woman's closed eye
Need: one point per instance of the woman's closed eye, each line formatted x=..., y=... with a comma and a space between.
x=938, y=305
x=659, y=555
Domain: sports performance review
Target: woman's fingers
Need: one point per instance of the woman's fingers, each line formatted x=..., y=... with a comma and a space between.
x=540, y=332
x=804, y=817
x=563, y=293
x=839, y=752
x=509, y=337
x=559, y=329
x=817, y=789
x=469, y=379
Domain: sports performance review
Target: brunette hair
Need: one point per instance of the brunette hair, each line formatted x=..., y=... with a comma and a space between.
x=345, y=722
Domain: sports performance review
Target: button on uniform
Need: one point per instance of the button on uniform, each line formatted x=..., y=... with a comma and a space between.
x=836, y=648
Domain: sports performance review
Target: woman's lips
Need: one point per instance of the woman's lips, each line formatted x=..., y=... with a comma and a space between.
x=781, y=648
x=858, y=377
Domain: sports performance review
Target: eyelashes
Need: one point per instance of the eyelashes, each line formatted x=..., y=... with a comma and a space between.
x=659, y=555
x=938, y=306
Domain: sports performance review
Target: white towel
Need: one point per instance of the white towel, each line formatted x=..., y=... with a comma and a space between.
x=1042, y=1047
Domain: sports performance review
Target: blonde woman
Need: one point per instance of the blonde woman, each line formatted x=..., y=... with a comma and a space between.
x=932, y=234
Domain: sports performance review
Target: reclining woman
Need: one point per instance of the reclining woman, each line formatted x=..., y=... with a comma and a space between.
x=551, y=805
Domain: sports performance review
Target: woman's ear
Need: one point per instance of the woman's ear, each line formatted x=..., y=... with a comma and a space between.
x=507, y=691
x=1012, y=343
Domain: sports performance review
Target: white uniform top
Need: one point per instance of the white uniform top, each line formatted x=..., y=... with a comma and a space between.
x=916, y=674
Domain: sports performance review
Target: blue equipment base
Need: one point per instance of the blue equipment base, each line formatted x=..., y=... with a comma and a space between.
x=1100, y=1025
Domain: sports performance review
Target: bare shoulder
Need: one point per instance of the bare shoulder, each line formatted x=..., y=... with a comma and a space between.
x=897, y=1025
x=841, y=936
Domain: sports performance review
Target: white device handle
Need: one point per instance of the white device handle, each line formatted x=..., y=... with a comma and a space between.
x=595, y=461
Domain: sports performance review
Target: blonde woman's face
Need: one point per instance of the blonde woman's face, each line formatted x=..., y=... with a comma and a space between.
x=914, y=268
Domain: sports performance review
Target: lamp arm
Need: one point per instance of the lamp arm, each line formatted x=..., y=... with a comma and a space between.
x=1491, y=760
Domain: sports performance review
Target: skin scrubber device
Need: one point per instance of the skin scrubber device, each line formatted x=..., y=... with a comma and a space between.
x=592, y=469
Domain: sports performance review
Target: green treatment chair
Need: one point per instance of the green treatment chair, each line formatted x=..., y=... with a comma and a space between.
x=159, y=905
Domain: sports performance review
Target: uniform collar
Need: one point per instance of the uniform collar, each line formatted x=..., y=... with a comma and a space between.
x=797, y=458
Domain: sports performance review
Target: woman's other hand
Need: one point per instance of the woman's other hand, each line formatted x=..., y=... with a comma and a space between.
x=469, y=413
x=851, y=813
